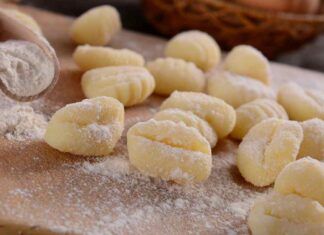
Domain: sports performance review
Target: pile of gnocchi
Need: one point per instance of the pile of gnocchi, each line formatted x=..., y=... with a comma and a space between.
x=281, y=133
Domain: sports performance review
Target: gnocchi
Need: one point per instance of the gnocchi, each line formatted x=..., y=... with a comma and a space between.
x=248, y=61
x=286, y=214
x=304, y=177
x=216, y=112
x=250, y=114
x=227, y=86
x=267, y=148
x=129, y=84
x=91, y=127
x=190, y=120
x=169, y=150
x=97, y=26
x=313, y=142
x=25, y=19
x=175, y=74
x=301, y=104
x=91, y=57
x=195, y=46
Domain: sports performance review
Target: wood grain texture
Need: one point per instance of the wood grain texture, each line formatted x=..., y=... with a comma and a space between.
x=43, y=191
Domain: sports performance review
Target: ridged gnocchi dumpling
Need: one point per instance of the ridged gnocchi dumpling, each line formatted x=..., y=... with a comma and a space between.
x=195, y=46
x=129, y=84
x=216, y=112
x=286, y=214
x=304, y=177
x=190, y=120
x=250, y=114
x=91, y=127
x=301, y=104
x=25, y=19
x=313, y=142
x=172, y=74
x=169, y=150
x=91, y=57
x=248, y=61
x=236, y=89
x=267, y=148
x=96, y=26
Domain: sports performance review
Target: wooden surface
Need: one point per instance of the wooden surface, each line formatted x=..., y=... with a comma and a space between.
x=43, y=191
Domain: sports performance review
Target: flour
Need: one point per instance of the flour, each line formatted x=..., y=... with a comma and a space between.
x=241, y=209
x=25, y=70
x=21, y=122
x=130, y=200
x=178, y=174
x=115, y=166
x=101, y=133
x=109, y=196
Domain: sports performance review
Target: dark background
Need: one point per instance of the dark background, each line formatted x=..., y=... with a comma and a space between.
x=310, y=56
x=130, y=10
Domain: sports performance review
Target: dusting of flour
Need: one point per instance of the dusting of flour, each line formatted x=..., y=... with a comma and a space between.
x=25, y=70
x=99, y=196
x=115, y=167
x=133, y=203
x=21, y=122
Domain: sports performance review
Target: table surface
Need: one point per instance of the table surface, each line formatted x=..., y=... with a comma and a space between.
x=45, y=190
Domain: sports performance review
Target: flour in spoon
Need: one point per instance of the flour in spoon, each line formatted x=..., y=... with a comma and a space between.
x=25, y=70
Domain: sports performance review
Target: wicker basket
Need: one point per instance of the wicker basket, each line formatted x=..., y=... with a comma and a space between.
x=232, y=24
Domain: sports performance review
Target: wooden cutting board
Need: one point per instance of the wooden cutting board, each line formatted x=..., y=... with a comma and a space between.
x=43, y=191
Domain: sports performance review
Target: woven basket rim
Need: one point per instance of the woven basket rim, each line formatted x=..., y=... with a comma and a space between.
x=282, y=15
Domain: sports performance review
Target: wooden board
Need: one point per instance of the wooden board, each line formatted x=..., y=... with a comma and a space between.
x=43, y=191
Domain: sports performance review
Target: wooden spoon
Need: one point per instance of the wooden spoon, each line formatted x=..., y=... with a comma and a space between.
x=10, y=28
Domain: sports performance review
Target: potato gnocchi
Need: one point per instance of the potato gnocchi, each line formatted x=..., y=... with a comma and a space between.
x=267, y=148
x=286, y=214
x=190, y=120
x=97, y=26
x=304, y=177
x=216, y=112
x=91, y=127
x=250, y=114
x=25, y=19
x=129, y=84
x=175, y=74
x=195, y=46
x=227, y=86
x=313, y=142
x=91, y=57
x=301, y=104
x=169, y=150
x=248, y=61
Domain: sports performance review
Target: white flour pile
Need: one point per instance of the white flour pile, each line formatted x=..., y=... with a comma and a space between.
x=25, y=70
x=21, y=122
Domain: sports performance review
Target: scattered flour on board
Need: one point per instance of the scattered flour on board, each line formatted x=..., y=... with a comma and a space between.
x=118, y=199
x=115, y=166
x=21, y=122
x=108, y=196
x=20, y=192
x=205, y=205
